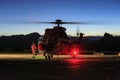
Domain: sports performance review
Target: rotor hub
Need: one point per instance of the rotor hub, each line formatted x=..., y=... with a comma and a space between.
x=58, y=22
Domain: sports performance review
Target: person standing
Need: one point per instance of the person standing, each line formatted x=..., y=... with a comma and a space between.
x=40, y=49
x=33, y=49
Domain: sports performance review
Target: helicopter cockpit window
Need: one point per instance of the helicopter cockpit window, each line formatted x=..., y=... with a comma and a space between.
x=40, y=38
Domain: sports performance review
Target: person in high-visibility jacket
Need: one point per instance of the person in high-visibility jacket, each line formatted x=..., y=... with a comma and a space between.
x=33, y=49
x=40, y=49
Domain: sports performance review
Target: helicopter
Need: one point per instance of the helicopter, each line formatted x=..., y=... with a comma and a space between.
x=56, y=41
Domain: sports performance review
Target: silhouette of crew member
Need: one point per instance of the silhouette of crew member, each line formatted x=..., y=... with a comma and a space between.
x=80, y=37
x=33, y=49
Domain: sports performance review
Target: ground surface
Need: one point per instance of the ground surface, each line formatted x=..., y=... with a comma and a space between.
x=84, y=67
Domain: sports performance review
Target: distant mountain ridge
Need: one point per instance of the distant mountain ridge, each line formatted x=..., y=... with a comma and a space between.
x=93, y=37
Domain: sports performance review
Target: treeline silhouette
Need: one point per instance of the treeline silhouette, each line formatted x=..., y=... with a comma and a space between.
x=18, y=43
x=108, y=43
x=21, y=43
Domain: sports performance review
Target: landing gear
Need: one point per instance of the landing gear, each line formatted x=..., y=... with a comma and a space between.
x=74, y=56
x=48, y=56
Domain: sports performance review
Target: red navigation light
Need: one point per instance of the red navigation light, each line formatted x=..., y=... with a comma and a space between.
x=75, y=52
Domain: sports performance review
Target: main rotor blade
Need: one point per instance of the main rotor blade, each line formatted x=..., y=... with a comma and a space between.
x=40, y=22
x=75, y=23
x=43, y=22
x=25, y=22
